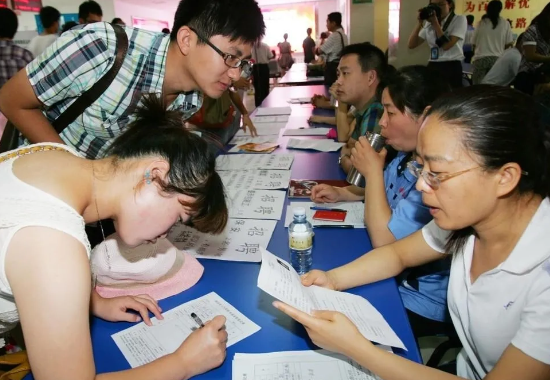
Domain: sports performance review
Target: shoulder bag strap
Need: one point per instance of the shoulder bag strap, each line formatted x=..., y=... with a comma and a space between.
x=343, y=46
x=448, y=21
x=85, y=100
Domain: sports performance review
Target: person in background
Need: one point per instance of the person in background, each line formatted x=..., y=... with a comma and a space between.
x=49, y=17
x=492, y=36
x=285, y=54
x=393, y=207
x=483, y=168
x=118, y=21
x=506, y=68
x=89, y=12
x=68, y=26
x=12, y=57
x=323, y=37
x=536, y=52
x=445, y=35
x=309, y=47
x=331, y=49
x=468, y=47
x=261, y=54
x=195, y=57
x=165, y=30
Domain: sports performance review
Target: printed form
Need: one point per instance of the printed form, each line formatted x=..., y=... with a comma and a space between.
x=278, y=279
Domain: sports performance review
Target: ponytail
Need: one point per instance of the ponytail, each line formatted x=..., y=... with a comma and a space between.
x=493, y=12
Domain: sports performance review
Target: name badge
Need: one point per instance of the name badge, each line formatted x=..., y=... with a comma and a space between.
x=435, y=53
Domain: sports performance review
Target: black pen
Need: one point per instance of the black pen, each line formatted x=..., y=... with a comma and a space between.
x=197, y=319
x=334, y=226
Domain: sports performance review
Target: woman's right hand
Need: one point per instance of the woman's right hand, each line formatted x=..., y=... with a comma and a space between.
x=324, y=193
x=205, y=348
x=319, y=278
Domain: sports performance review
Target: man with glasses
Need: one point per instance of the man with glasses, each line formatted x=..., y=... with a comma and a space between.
x=208, y=49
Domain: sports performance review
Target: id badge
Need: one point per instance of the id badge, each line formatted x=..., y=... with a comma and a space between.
x=435, y=53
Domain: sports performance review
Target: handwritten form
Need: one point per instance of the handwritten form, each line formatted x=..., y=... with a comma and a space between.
x=270, y=119
x=355, y=215
x=141, y=344
x=278, y=279
x=256, y=204
x=306, y=132
x=320, y=145
x=240, y=140
x=240, y=241
x=254, y=161
x=273, y=111
x=255, y=179
x=299, y=365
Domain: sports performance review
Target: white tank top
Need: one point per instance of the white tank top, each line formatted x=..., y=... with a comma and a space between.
x=23, y=205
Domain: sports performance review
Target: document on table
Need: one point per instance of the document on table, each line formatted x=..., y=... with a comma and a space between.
x=239, y=140
x=141, y=344
x=273, y=111
x=240, y=241
x=320, y=145
x=278, y=279
x=299, y=100
x=306, y=132
x=263, y=129
x=254, y=161
x=255, y=179
x=355, y=215
x=256, y=204
x=270, y=119
x=299, y=365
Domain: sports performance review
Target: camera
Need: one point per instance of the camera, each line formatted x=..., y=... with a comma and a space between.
x=426, y=12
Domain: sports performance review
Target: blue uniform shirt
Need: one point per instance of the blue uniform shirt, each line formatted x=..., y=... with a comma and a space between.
x=427, y=294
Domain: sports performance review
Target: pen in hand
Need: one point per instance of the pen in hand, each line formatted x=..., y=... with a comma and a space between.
x=197, y=320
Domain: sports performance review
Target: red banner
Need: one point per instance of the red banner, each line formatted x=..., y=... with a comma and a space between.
x=3, y=3
x=27, y=5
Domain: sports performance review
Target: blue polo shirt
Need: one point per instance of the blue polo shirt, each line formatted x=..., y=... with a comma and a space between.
x=423, y=289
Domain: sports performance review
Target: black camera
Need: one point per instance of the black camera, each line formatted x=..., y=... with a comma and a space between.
x=426, y=12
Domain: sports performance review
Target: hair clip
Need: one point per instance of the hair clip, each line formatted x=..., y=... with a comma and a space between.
x=148, y=177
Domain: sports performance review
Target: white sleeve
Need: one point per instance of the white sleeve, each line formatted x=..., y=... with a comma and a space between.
x=423, y=34
x=435, y=237
x=534, y=330
x=509, y=34
x=459, y=27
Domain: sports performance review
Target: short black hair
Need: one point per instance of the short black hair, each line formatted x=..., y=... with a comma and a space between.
x=68, y=26
x=8, y=23
x=87, y=8
x=309, y=31
x=370, y=57
x=161, y=133
x=470, y=19
x=165, y=30
x=335, y=17
x=324, y=35
x=116, y=20
x=236, y=19
x=48, y=16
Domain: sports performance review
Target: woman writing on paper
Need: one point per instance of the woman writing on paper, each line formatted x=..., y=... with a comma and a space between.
x=157, y=173
x=487, y=183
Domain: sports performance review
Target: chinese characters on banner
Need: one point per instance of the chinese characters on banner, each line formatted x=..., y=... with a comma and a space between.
x=519, y=13
x=27, y=5
x=3, y=3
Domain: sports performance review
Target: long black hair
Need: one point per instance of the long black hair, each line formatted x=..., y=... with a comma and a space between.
x=493, y=12
x=158, y=132
x=499, y=125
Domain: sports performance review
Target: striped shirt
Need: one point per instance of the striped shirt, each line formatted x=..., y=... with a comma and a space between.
x=79, y=58
x=12, y=59
x=332, y=48
x=533, y=37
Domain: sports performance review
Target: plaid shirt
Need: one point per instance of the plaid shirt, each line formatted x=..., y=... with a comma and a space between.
x=12, y=59
x=367, y=120
x=79, y=58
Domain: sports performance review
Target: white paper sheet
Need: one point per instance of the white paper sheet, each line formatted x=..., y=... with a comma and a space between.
x=240, y=140
x=263, y=129
x=271, y=111
x=255, y=179
x=269, y=119
x=306, y=132
x=298, y=365
x=299, y=100
x=141, y=344
x=278, y=279
x=241, y=240
x=355, y=213
x=254, y=161
x=256, y=204
x=320, y=145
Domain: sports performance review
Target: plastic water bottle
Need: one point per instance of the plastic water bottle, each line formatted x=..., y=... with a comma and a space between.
x=300, y=239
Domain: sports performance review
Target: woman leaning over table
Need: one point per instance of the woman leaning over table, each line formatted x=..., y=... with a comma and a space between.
x=156, y=174
x=487, y=184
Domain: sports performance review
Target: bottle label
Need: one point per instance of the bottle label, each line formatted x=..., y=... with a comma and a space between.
x=301, y=241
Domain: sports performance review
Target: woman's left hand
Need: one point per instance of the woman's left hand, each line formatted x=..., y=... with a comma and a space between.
x=365, y=159
x=247, y=122
x=330, y=330
x=117, y=309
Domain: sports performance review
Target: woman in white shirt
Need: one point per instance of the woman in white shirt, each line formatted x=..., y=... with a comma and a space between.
x=492, y=36
x=487, y=183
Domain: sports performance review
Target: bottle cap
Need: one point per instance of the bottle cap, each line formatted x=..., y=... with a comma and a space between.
x=299, y=211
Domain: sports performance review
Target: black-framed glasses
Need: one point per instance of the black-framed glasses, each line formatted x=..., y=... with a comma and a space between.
x=230, y=60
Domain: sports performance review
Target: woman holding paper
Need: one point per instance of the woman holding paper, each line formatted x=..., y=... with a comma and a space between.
x=487, y=184
x=393, y=207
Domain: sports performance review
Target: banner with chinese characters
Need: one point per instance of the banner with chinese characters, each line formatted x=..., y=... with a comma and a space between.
x=519, y=13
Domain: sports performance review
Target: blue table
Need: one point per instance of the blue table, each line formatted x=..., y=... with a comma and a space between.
x=236, y=282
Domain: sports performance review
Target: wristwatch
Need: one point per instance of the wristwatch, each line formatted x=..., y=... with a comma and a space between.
x=341, y=157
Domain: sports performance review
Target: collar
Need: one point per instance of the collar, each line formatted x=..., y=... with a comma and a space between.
x=5, y=43
x=361, y=112
x=532, y=248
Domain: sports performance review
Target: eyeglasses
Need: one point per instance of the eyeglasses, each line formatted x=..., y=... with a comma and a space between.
x=434, y=180
x=230, y=60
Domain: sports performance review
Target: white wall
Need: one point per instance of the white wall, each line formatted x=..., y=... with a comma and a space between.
x=126, y=10
x=405, y=56
x=361, y=28
x=323, y=9
x=27, y=21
